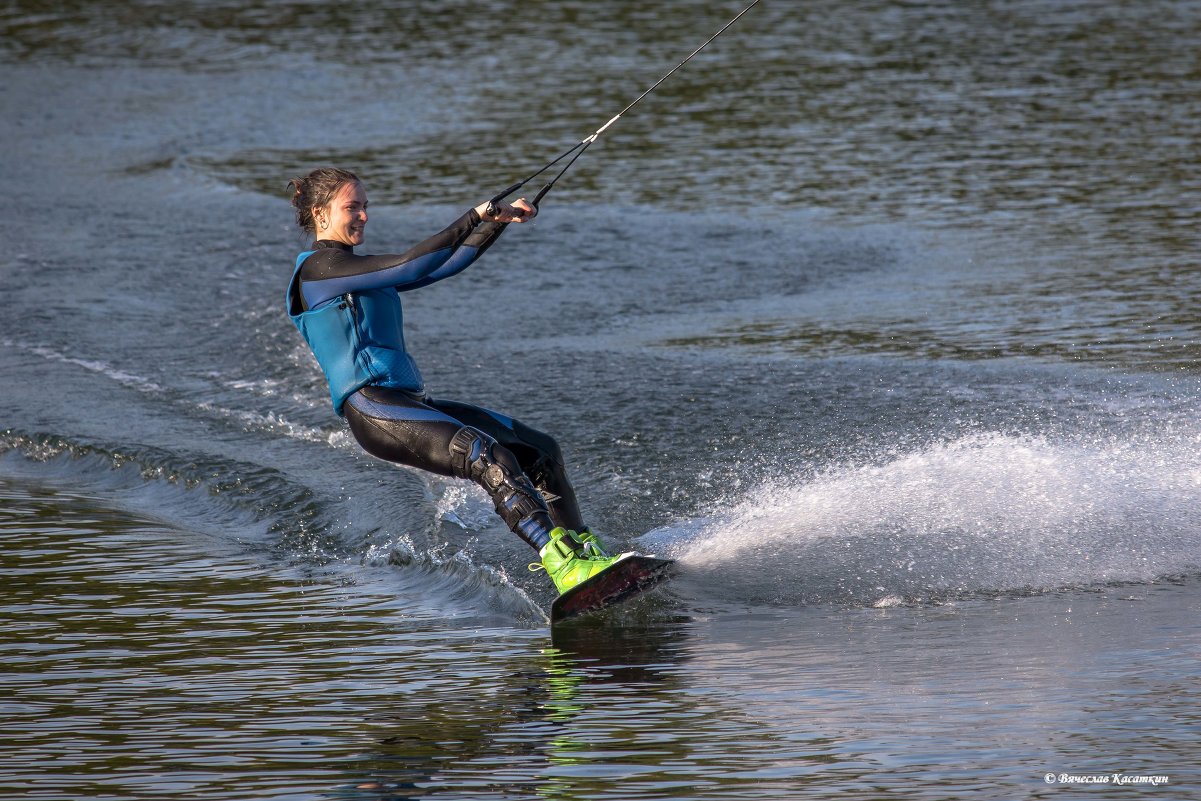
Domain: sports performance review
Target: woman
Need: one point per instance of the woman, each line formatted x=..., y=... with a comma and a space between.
x=348, y=309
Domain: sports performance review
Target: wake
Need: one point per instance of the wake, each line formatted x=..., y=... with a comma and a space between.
x=984, y=514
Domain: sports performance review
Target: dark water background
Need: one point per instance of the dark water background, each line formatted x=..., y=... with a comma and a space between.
x=878, y=317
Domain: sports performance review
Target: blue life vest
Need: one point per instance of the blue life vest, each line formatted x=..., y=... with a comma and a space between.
x=357, y=339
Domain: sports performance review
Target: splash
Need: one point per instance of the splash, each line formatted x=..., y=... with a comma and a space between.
x=984, y=514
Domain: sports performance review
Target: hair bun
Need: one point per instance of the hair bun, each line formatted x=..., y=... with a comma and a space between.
x=296, y=185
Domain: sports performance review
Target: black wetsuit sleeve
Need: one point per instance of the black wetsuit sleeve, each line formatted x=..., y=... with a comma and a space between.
x=333, y=271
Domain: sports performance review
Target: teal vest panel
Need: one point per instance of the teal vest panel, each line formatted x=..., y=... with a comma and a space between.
x=358, y=340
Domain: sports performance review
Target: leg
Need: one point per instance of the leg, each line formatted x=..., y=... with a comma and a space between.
x=399, y=427
x=537, y=453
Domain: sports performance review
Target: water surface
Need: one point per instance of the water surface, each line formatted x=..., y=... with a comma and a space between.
x=877, y=318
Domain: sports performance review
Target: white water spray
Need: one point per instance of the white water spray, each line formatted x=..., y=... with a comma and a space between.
x=984, y=514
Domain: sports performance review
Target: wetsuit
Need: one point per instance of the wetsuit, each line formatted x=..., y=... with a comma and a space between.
x=348, y=308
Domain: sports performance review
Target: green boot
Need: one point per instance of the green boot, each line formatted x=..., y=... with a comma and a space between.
x=566, y=567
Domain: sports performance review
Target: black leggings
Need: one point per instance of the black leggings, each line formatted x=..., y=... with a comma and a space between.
x=520, y=468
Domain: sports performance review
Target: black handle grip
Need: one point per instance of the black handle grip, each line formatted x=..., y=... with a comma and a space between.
x=507, y=192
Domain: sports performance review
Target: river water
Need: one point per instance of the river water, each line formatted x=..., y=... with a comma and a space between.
x=877, y=317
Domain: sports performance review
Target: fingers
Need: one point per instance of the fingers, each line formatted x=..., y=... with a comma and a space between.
x=523, y=211
x=520, y=211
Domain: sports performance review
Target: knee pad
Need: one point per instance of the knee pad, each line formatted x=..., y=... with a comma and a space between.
x=474, y=455
x=470, y=453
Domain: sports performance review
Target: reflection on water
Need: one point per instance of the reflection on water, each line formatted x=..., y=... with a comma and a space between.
x=1160, y=344
x=1082, y=114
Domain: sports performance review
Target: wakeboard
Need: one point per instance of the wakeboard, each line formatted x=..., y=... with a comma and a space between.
x=624, y=580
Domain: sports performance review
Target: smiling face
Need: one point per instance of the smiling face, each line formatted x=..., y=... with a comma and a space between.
x=344, y=218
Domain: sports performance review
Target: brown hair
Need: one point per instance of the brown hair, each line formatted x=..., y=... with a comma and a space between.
x=317, y=190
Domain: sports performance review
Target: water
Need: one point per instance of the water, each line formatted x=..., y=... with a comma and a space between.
x=877, y=318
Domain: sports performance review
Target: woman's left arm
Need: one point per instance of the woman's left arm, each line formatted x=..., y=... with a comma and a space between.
x=479, y=240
